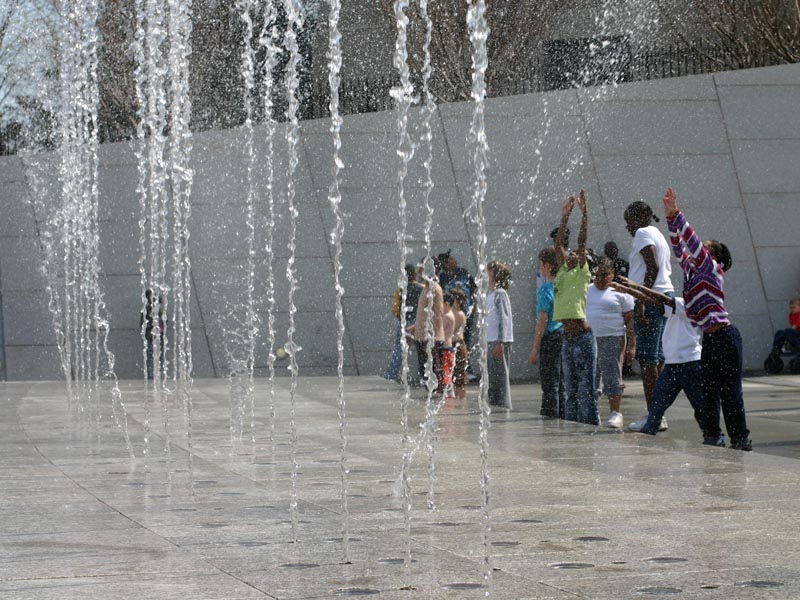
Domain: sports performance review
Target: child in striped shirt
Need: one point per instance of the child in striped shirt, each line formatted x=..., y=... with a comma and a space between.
x=704, y=265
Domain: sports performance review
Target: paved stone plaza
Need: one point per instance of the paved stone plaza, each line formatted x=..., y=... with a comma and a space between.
x=577, y=512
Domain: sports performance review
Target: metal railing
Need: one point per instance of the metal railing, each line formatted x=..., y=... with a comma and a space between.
x=559, y=64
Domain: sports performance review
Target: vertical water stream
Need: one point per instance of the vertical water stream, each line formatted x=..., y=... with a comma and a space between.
x=479, y=33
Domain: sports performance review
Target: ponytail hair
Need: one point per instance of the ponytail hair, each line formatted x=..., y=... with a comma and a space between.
x=641, y=213
x=720, y=253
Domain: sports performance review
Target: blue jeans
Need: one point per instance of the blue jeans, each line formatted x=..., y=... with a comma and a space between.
x=578, y=361
x=553, y=397
x=687, y=377
x=785, y=336
x=648, y=336
x=722, y=382
x=393, y=370
x=608, y=367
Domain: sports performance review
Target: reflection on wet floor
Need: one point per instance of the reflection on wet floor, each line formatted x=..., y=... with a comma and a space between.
x=574, y=512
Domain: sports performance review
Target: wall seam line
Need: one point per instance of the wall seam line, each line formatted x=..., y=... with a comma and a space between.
x=744, y=205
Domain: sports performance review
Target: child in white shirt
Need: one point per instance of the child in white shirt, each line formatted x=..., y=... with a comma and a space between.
x=499, y=334
x=610, y=315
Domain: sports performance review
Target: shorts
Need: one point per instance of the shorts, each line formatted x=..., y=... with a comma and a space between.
x=460, y=370
x=448, y=363
x=648, y=337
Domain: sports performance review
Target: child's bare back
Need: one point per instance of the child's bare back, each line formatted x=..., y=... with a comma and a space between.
x=449, y=325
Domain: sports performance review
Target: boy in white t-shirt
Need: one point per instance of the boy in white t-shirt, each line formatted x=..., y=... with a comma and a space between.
x=610, y=315
x=650, y=267
x=682, y=370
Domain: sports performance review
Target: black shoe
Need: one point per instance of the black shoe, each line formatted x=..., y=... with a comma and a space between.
x=711, y=440
x=744, y=445
x=774, y=363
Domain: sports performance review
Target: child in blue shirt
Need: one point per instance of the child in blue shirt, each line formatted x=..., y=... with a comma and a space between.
x=547, y=339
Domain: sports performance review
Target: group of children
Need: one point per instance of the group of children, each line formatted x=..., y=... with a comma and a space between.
x=591, y=320
x=439, y=333
x=588, y=324
x=446, y=355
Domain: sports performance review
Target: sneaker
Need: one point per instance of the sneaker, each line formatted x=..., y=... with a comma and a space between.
x=718, y=441
x=614, y=420
x=744, y=445
x=637, y=425
x=663, y=426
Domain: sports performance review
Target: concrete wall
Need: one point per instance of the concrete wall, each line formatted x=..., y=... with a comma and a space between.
x=728, y=144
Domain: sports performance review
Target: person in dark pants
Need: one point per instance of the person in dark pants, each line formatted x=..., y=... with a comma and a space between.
x=785, y=337
x=683, y=366
x=704, y=265
x=147, y=322
x=413, y=291
x=547, y=340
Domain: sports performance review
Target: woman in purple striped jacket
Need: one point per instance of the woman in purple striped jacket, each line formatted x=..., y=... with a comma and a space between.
x=704, y=264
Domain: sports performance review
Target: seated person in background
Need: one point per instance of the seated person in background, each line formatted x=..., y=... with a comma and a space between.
x=790, y=336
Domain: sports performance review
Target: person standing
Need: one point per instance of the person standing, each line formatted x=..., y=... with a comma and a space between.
x=621, y=266
x=430, y=307
x=683, y=369
x=578, y=350
x=610, y=315
x=704, y=265
x=460, y=346
x=413, y=292
x=649, y=266
x=147, y=322
x=452, y=276
x=499, y=334
x=547, y=339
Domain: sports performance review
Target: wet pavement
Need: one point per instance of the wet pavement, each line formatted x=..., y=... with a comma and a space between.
x=576, y=511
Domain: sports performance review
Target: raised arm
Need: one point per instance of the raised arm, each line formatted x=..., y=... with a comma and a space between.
x=681, y=231
x=584, y=230
x=678, y=249
x=566, y=210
